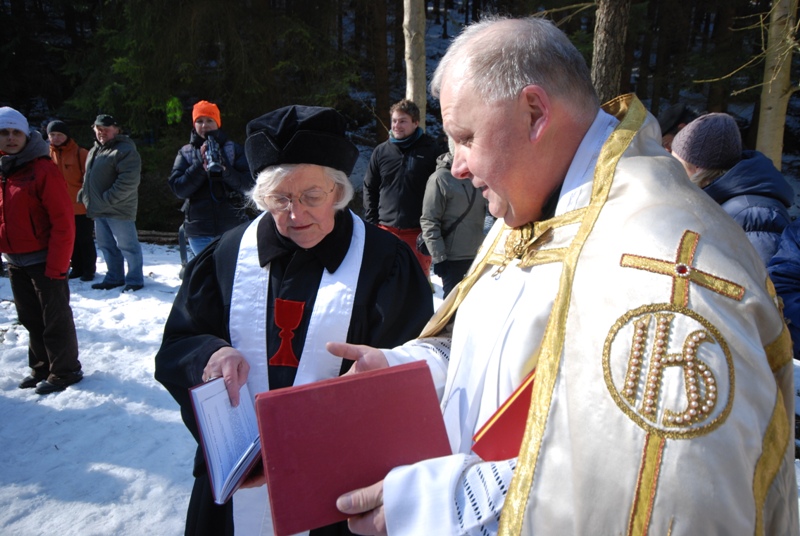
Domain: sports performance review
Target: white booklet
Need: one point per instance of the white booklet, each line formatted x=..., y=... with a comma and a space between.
x=229, y=436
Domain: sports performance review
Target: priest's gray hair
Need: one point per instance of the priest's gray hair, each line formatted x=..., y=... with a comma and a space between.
x=500, y=56
x=270, y=178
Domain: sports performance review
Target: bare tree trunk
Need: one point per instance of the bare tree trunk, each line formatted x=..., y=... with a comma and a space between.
x=360, y=24
x=777, y=82
x=381, y=64
x=399, y=41
x=610, y=30
x=416, y=80
x=725, y=55
x=645, y=68
x=339, y=26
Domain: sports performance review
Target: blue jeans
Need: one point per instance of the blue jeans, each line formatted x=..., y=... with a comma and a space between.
x=199, y=243
x=117, y=239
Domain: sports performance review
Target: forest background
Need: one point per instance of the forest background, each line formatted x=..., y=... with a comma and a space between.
x=147, y=62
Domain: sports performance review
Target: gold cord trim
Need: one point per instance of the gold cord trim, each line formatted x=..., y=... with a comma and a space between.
x=643, y=499
x=779, y=351
x=776, y=441
x=447, y=309
x=549, y=358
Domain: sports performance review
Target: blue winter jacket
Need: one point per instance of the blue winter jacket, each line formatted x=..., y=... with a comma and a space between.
x=756, y=195
x=784, y=270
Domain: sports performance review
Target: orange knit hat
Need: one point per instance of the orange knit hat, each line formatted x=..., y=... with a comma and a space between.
x=206, y=109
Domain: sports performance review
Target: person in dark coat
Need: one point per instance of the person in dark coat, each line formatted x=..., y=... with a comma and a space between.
x=745, y=183
x=784, y=271
x=71, y=161
x=453, y=216
x=214, y=196
x=394, y=184
x=347, y=280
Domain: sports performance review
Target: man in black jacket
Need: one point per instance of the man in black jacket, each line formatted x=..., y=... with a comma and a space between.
x=394, y=184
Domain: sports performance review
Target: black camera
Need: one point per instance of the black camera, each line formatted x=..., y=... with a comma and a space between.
x=213, y=157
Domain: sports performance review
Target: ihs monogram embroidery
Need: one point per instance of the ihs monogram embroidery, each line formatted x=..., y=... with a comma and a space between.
x=699, y=380
x=677, y=380
x=675, y=377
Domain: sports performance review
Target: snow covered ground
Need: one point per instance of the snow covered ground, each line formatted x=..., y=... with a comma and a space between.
x=110, y=454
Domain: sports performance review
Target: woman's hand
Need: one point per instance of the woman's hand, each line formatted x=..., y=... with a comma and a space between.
x=230, y=364
x=255, y=479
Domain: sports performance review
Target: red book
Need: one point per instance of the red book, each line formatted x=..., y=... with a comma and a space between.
x=501, y=436
x=321, y=440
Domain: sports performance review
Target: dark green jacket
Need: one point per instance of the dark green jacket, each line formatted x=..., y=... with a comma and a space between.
x=111, y=183
x=446, y=199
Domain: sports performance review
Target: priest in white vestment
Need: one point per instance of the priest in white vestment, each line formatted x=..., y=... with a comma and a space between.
x=662, y=400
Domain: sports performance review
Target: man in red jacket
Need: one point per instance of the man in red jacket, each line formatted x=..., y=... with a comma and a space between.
x=37, y=231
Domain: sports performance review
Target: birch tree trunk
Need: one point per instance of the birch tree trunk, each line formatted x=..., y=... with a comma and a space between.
x=777, y=80
x=414, y=31
x=610, y=29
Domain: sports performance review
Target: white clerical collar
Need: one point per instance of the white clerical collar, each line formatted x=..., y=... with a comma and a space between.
x=581, y=171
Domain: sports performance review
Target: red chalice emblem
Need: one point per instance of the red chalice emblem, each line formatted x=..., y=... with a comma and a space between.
x=288, y=314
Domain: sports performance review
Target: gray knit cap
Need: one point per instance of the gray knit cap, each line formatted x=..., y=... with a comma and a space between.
x=711, y=141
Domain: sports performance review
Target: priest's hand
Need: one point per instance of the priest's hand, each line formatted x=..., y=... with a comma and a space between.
x=365, y=506
x=230, y=364
x=365, y=357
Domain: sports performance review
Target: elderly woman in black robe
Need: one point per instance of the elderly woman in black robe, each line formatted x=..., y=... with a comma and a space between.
x=259, y=303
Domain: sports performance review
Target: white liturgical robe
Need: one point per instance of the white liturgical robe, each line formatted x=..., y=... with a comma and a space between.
x=663, y=397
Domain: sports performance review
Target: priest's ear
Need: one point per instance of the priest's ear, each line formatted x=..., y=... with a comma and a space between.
x=537, y=104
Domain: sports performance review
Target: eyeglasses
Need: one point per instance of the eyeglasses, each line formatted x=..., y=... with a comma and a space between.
x=310, y=198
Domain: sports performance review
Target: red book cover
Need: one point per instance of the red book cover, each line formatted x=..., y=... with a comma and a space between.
x=501, y=436
x=321, y=440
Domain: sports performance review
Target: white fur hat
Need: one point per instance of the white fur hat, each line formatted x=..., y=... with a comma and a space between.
x=10, y=118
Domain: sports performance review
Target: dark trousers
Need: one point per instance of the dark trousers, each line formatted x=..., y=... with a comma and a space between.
x=43, y=309
x=84, y=253
x=451, y=272
x=206, y=518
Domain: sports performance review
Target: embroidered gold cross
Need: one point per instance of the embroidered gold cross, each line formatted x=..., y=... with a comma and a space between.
x=699, y=379
x=683, y=273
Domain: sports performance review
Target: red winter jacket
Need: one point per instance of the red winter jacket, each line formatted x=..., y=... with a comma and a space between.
x=36, y=214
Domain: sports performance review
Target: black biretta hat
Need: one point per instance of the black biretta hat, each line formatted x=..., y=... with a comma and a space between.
x=299, y=135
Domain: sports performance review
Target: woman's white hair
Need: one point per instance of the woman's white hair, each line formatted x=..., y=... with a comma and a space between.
x=270, y=178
